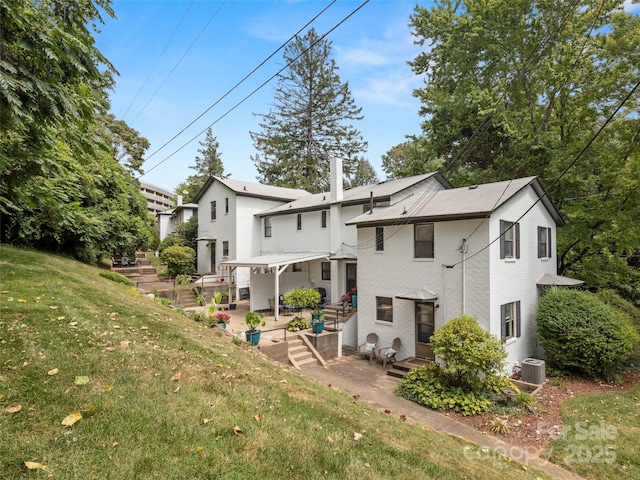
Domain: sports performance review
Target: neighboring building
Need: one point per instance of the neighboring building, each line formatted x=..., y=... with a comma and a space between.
x=227, y=226
x=158, y=199
x=168, y=220
x=484, y=250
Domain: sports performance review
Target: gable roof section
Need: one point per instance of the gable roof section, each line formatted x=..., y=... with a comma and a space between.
x=354, y=196
x=476, y=201
x=258, y=190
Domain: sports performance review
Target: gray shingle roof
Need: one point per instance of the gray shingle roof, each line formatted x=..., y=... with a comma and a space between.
x=251, y=189
x=354, y=195
x=456, y=203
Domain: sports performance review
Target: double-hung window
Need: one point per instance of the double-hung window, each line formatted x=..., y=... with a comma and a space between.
x=423, y=240
x=225, y=248
x=379, y=239
x=213, y=210
x=544, y=242
x=384, y=309
x=323, y=219
x=299, y=222
x=510, y=320
x=326, y=270
x=267, y=226
x=509, y=239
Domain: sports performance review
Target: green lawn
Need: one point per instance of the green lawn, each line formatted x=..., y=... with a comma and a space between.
x=164, y=397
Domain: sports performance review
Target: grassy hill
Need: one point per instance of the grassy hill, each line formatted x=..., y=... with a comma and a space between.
x=164, y=397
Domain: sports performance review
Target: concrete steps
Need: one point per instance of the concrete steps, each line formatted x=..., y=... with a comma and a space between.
x=400, y=369
x=300, y=354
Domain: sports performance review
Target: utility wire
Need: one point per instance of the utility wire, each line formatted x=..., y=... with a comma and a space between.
x=180, y=60
x=259, y=87
x=234, y=87
x=158, y=60
x=571, y=164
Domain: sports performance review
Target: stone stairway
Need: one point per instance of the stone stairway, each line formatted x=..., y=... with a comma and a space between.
x=300, y=355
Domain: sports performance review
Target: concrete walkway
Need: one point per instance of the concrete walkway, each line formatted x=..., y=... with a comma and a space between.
x=356, y=376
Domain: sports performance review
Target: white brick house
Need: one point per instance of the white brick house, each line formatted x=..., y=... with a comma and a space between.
x=480, y=250
x=306, y=242
x=227, y=226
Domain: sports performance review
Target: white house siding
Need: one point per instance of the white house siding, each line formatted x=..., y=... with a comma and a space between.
x=285, y=237
x=394, y=271
x=515, y=279
x=222, y=228
x=164, y=225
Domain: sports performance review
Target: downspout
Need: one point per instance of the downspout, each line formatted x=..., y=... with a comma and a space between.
x=464, y=248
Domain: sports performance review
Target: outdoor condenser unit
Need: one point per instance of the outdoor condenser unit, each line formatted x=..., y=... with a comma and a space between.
x=533, y=371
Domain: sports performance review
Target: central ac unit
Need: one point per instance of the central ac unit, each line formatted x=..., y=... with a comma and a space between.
x=533, y=371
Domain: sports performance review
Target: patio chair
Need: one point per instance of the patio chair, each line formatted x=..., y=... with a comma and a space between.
x=388, y=354
x=134, y=263
x=368, y=349
x=281, y=308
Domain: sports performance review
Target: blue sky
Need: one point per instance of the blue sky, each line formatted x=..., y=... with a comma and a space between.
x=218, y=43
x=169, y=79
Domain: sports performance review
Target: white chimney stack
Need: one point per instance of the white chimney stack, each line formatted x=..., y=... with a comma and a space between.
x=179, y=200
x=335, y=175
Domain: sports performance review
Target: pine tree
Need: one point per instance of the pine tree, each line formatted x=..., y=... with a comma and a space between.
x=309, y=122
x=208, y=165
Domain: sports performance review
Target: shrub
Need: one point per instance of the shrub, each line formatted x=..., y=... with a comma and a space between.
x=296, y=324
x=116, y=277
x=179, y=260
x=583, y=335
x=302, y=298
x=469, y=354
x=428, y=386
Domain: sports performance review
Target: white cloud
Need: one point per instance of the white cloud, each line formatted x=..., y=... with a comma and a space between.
x=631, y=7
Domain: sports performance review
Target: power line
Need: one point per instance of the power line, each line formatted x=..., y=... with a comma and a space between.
x=256, y=89
x=235, y=86
x=144, y=83
x=571, y=164
x=180, y=60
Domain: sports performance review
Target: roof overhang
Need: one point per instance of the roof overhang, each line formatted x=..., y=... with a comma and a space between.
x=205, y=239
x=548, y=280
x=276, y=259
x=418, y=295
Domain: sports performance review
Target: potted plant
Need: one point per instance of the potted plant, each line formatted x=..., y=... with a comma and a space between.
x=354, y=297
x=220, y=319
x=253, y=320
x=317, y=320
x=300, y=298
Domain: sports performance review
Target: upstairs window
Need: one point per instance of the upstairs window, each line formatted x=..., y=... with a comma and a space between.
x=510, y=320
x=423, y=240
x=225, y=248
x=323, y=219
x=226, y=205
x=544, y=242
x=213, y=210
x=379, y=239
x=299, y=222
x=267, y=226
x=509, y=239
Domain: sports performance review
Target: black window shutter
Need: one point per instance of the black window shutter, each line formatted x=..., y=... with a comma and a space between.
x=540, y=230
x=518, y=324
x=517, y=238
x=549, y=243
x=503, y=321
x=501, y=238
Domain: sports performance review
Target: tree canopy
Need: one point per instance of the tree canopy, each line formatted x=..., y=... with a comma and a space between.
x=210, y=164
x=520, y=88
x=310, y=121
x=61, y=186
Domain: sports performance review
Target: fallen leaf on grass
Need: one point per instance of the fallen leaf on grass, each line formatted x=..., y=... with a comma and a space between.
x=357, y=436
x=53, y=372
x=124, y=343
x=208, y=420
x=176, y=377
x=22, y=300
x=71, y=419
x=15, y=409
x=107, y=388
x=35, y=466
x=237, y=430
x=73, y=324
x=81, y=380
x=283, y=381
x=258, y=417
x=199, y=448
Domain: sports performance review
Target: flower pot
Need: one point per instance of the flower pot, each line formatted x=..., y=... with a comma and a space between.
x=252, y=337
x=354, y=301
x=317, y=327
x=222, y=325
x=232, y=306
